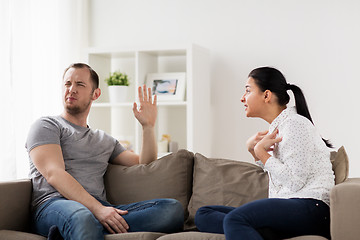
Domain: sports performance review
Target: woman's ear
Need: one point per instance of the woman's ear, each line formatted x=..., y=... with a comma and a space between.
x=267, y=96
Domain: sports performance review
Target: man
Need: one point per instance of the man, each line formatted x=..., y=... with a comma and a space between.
x=68, y=161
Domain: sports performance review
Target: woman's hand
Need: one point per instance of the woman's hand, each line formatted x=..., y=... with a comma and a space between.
x=252, y=141
x=265, y=145
x=147, y=112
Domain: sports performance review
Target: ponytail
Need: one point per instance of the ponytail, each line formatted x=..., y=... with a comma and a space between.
x=300, y=102
x=302, y=108
x=268, y=78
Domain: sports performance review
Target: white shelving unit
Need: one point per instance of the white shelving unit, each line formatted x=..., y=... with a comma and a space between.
x=186, y=121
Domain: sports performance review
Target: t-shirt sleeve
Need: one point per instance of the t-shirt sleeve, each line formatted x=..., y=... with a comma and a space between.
x=43, y=131
x=117, y=150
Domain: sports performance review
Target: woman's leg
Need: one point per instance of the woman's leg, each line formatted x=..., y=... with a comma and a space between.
x=286, y=217
x=157, y=215
x=210, y=218
x=74, y=221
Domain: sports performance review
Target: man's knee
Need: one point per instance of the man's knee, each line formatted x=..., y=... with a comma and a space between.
x=83, y=223
x=173, y=209
x=172, y=215
x=83, y=216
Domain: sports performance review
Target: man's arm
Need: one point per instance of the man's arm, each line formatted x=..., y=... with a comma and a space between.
x=49, y=162
x=146, y=115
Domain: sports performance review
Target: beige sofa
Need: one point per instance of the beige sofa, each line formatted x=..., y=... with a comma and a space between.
x=195, y=181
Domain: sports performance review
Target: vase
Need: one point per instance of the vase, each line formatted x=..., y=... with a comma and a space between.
x=118, y=94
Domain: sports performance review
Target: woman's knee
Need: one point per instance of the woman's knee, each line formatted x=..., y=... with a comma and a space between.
x=200, y=218
x=203, y=210
x=235, y=218
x=201, y=215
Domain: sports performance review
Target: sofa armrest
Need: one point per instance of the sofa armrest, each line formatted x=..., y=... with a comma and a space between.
x=15, y=197
x=345, y=210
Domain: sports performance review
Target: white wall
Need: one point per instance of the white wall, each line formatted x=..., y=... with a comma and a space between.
x=314, y=43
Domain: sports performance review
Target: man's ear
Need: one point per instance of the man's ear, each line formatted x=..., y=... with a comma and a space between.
x=96, y=94
x=267, y=96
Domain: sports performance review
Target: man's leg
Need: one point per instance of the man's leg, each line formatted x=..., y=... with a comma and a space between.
x=74, y=221
x=210, y=218
x=157, y=215
x=285, y=217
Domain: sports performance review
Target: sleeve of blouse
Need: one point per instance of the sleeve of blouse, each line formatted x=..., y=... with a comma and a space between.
x=296, y=149
x=260, y=164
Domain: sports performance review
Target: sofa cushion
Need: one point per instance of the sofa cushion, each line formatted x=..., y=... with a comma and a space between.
x=225, y=182
x=193, y=236
x=134, y=236
x=16, y=235
x=15, y=198
x=167, y=177
x=340, y=164
x=345, y=209
x=213, y=236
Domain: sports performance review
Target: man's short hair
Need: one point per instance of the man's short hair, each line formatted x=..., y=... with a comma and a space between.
x=93, y=75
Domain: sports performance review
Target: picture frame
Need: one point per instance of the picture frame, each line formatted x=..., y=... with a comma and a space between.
x=167, y=86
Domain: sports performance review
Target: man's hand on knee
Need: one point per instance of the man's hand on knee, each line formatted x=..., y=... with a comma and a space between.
x=112, y=220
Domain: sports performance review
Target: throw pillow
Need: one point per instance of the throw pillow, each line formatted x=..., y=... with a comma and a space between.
x=167, y=177
x=340, y=164
x=225, y=182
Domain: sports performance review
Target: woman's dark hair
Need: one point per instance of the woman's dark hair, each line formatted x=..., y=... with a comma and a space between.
x=93, y=75
x=268, y=78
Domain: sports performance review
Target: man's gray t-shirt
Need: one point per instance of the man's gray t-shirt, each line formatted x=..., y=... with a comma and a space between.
x=86, y=154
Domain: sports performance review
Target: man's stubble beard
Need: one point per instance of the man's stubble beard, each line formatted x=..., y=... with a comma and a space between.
x=76, y=110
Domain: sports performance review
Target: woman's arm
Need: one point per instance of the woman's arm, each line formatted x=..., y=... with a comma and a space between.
x=292, y=165
x=252, y=141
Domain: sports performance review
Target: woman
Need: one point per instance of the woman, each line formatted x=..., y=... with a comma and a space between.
x=296, y=159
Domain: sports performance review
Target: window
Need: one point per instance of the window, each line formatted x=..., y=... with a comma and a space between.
x=36, y=45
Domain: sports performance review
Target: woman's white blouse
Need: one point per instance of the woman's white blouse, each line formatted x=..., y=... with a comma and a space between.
x=300, y=164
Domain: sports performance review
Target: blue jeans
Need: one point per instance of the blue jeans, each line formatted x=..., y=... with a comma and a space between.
x=76, y=222
x=270, y=218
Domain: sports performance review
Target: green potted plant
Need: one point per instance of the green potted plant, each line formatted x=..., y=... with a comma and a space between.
x=117, y=79
x=118, y=84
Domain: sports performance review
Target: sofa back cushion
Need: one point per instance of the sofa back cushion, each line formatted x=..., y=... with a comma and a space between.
x=340, y=164
x=225, y=182
x=15, y=198
x=167, y=177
